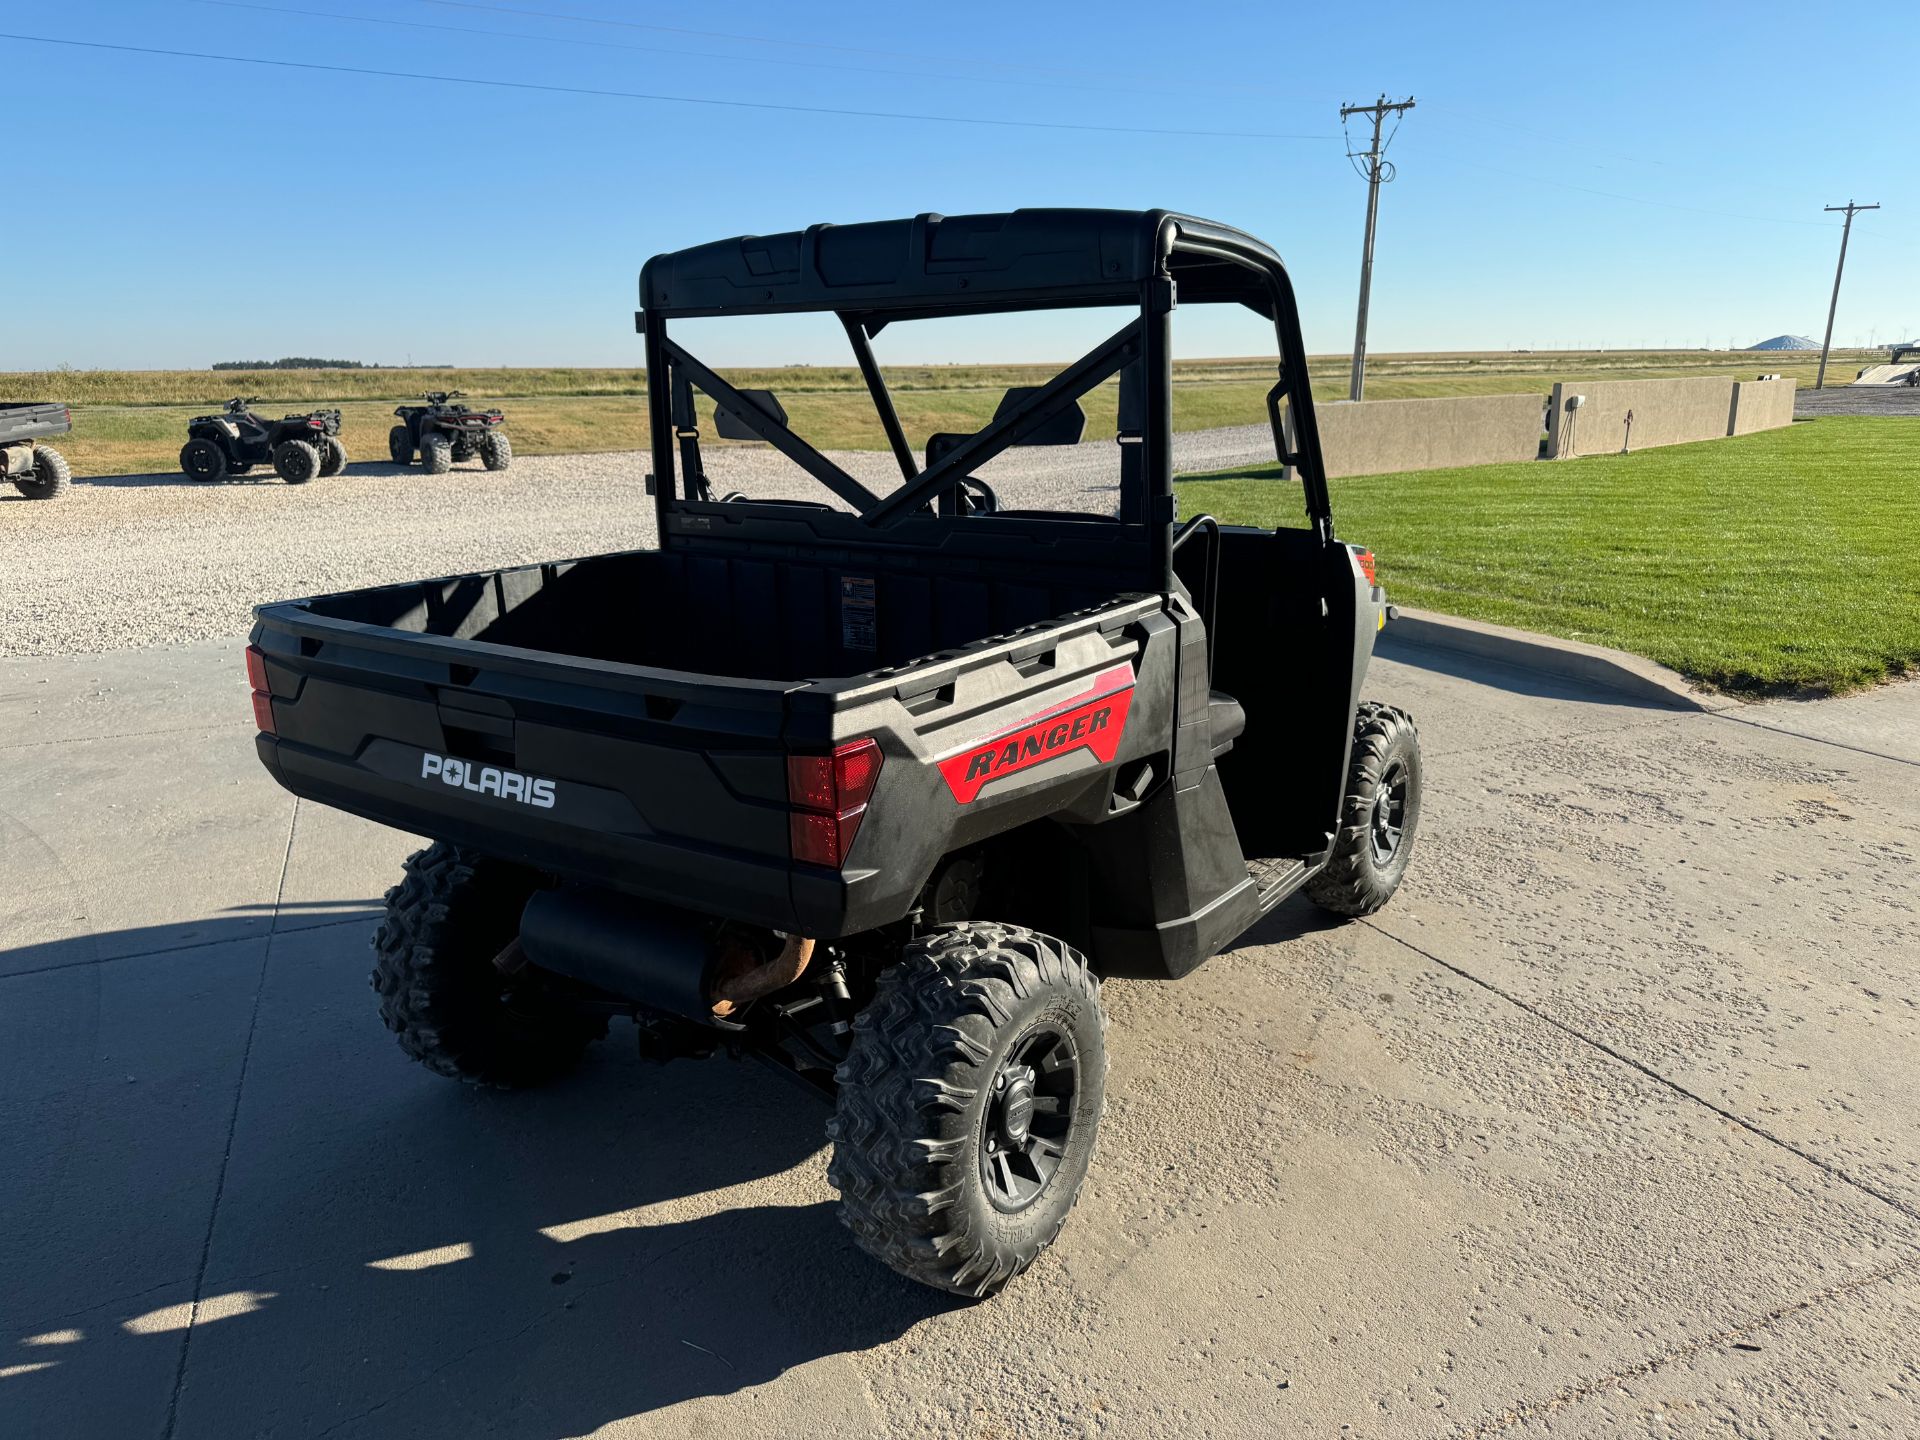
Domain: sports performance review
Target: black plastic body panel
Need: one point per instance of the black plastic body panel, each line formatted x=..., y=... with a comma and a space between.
x=951, y=264
x=671, y=784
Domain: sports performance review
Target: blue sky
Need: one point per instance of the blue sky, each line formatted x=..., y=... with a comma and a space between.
x=1642, y=175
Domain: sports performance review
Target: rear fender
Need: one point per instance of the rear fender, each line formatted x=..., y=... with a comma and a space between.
x=981, y=741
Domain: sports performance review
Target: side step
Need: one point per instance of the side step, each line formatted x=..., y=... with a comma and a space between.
x=1276, y=879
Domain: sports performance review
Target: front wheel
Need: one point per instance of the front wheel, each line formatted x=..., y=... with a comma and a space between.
x=968, y=1105
x=295, y=461
x=400, y=445
x=496, y=451
x=436, y=453
x=1378, y=818
x=203, y=460
x=441, y=994
x=333, y=456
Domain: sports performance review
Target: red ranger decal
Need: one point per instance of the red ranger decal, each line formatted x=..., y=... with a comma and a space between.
x=1093, y=720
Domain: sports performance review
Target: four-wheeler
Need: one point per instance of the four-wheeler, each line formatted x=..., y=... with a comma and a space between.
x=37, y=471
x=878, y=788
x=234, y=441
x=444, y=432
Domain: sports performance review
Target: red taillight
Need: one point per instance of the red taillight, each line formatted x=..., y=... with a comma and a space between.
x=856, y=770
x=262, y=696
x=316, y=424
x=1365, y=557
x=829, y=795
x=817, y=839
x=810, y=782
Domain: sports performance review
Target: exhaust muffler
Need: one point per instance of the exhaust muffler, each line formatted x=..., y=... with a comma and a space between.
x=651, y=954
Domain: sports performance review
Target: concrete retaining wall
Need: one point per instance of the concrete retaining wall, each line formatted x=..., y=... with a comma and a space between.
x=1760, y=405
x=1384, y=437
x=1665, y=412
x=1379, y=437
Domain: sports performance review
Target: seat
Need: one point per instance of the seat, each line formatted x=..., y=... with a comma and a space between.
x=1226, y=718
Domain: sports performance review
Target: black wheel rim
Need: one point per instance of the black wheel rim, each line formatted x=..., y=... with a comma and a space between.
x=1389, y=825
x=1028, y=1121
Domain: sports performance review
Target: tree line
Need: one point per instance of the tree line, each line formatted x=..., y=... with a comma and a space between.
x=291, y=362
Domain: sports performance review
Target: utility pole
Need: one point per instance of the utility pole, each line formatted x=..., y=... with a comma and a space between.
x=1377, y=172
x=1851, y=209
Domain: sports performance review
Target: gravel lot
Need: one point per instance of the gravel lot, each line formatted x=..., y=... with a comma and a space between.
x=133, y=561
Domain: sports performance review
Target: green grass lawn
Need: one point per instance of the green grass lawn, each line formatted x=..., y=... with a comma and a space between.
x=1785, y=561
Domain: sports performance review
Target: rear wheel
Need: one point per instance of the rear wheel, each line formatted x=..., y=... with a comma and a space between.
x=968, y=1105
x=400, y=445
x=436, y=453
x=295, y=461
x=1378, y=817
x=333, y=456
x=448, y=1004
x=496, y=451
x=51, y=475
x=203, y=460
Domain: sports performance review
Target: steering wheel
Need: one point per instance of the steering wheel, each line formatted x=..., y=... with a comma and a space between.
x=978, y=496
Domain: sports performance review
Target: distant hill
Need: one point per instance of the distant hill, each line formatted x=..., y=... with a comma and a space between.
x=1787, y=342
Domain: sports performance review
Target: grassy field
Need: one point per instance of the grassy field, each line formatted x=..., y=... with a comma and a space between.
x=132, y=421
x=1780, y=562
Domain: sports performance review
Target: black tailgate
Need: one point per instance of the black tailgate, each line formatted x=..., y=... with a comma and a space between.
x=660, y=782
x=31, y=421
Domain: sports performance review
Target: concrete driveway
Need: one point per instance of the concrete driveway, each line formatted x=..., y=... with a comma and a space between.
x=1607, y=1126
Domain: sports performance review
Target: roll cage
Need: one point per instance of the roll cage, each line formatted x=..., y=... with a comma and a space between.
x=874, y=275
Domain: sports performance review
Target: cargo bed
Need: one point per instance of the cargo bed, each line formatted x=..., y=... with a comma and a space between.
x=673, y=688
x=33, y=420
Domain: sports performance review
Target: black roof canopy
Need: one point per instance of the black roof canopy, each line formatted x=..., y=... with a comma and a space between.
x=938, y=265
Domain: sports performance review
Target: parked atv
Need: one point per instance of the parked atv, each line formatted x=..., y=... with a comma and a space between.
x=879, y=792
x=37, y=471
x=444, y=433
x=231, y=443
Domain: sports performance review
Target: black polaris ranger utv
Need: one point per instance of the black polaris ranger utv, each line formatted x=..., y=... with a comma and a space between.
x=298, y=447
x=444, y=431
x=874, y=787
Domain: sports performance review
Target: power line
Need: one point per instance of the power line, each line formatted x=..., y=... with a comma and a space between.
x=1846, y=230
x=490, y=83
x=1378, y=172
x=603, y=44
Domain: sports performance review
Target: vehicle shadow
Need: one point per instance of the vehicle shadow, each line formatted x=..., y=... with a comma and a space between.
x=1292, y=919
x=1514, y=676
x=393, y=1253
x=259, y=475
